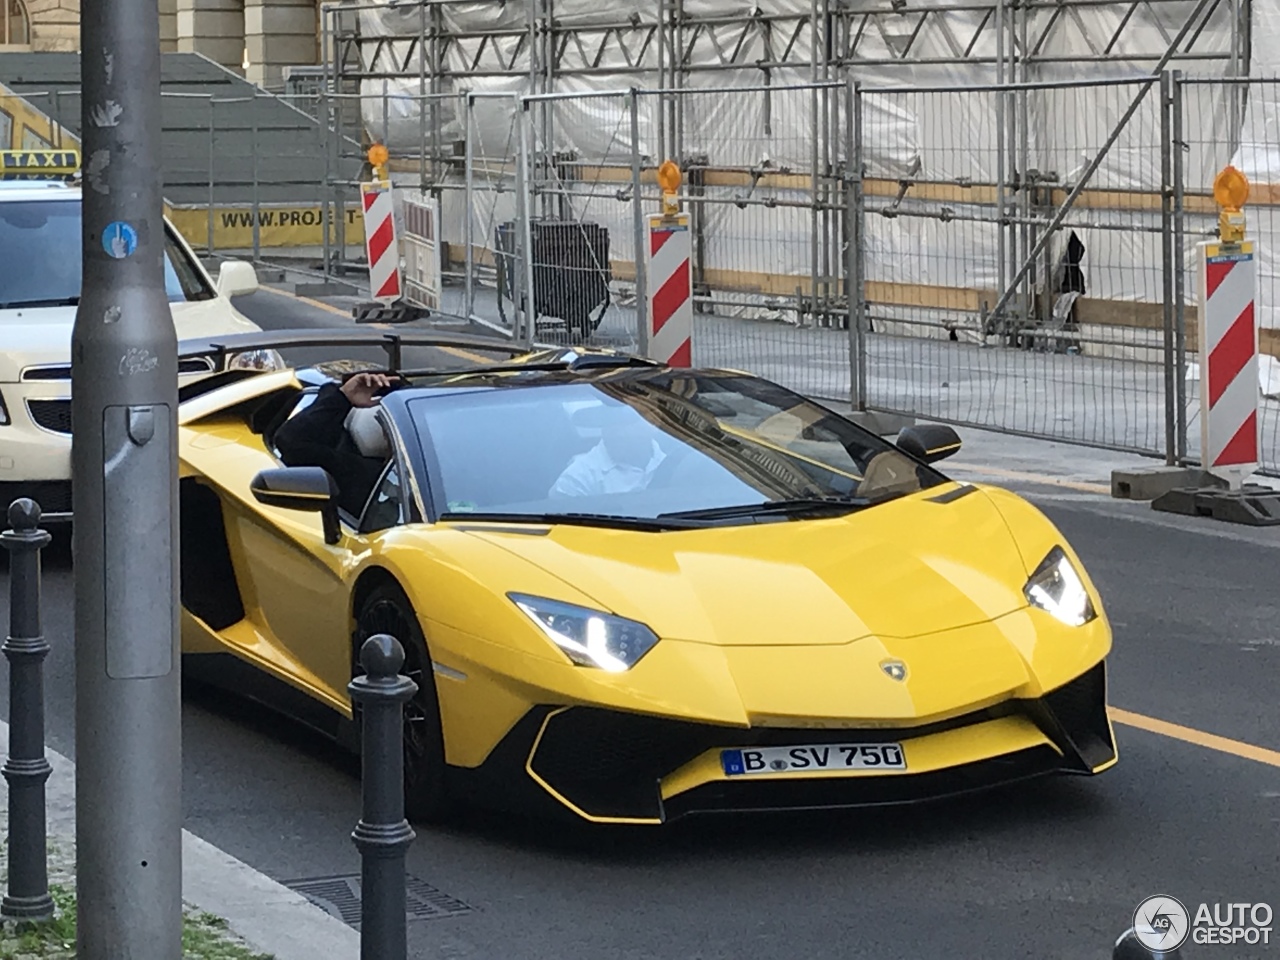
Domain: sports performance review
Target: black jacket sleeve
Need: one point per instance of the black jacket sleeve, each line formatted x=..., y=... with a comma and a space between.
x=313, y=438
x=317, y=437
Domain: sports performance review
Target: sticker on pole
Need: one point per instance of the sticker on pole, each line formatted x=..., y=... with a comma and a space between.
x=119, y=240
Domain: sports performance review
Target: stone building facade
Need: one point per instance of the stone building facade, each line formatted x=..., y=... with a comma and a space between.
x=257, y=38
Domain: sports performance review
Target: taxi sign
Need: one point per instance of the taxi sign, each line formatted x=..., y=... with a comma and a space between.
x=39, y=164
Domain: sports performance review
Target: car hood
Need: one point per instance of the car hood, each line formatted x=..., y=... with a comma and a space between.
x=42, y=336
x=906, y=568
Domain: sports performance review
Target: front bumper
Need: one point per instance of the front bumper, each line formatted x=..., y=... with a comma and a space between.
x=35, y=447
x=614, y=767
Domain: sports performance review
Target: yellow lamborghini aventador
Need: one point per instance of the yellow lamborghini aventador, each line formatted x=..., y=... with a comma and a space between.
x=634, y=592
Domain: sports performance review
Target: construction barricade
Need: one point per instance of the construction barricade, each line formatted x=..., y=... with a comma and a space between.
x=1228, y=343
x=669, y=277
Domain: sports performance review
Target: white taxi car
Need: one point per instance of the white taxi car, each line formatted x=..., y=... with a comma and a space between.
x=40, y=259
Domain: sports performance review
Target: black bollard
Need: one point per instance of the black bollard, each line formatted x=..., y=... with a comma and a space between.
x=26, y=768
x=383, y=834
x=1129, y=947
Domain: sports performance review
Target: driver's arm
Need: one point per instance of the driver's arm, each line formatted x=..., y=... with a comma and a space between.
x=311, y=438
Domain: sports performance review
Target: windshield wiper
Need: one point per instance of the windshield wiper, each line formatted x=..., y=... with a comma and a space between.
x=791, y=506
x=581, y=520
x=51, y=302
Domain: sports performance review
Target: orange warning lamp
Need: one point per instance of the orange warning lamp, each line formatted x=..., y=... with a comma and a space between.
x=669, y=179
x=378, y=157
x=1231, y=191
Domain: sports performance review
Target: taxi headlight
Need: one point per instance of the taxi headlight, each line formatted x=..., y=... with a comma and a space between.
x=1057, y=589
x=589, y=637
x=262, y=360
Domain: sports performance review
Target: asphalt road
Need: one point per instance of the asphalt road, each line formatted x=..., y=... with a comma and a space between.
x=1051, y=869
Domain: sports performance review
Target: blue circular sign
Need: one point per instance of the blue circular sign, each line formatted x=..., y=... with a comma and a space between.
x=119, y=240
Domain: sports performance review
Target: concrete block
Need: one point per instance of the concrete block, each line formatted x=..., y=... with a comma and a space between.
x=229, y=6
x=1252, y=505
x=228, y=53
x=48, y=41
x=168, y=25
x=279, y=51
x=881, y=424
x=203, y=26
x=280, y=19
x=1148, y=483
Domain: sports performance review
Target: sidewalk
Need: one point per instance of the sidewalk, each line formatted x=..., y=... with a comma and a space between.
x=1022, y=462
x=261, y=914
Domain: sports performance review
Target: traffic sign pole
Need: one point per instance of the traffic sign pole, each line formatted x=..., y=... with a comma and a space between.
x=124, y=384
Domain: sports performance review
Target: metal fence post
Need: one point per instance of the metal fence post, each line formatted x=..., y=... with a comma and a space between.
x=526, y=226
x=326, y=189
x=855, y=212
x=1167, y=254
x=257, y=206
x=383, y=834
x=213, y=151
x=468, y=206
x=386, y=114
x=1177, y=147
x=26, y=769
x=638, y=227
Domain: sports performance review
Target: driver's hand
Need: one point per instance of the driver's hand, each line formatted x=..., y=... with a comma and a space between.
x=361, y=389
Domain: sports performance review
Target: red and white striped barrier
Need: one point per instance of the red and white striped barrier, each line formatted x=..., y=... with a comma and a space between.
x=381, y=243
x=1228, y=361
x=670, y=283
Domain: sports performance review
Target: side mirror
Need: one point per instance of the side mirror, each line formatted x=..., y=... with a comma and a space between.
x=300, y=488
x=929, y=442
x=237, y=278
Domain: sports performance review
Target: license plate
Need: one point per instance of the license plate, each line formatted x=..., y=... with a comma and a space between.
x=823, y=758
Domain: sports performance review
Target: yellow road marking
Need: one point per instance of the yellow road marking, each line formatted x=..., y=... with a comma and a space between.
x=1199, y=738
x=1041, y=478
x=321, y=305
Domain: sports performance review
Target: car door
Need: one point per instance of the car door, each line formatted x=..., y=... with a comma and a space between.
x=292, y=585
x=303, y=584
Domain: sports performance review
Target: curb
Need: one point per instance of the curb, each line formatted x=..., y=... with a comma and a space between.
x=267, y=915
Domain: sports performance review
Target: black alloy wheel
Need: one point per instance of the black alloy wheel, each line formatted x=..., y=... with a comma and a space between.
x=387, y=610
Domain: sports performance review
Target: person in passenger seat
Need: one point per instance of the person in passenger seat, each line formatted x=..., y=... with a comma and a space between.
x=340, y=432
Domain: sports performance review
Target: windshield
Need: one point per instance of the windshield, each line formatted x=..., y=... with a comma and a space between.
x=40, y=250
x=651, y=446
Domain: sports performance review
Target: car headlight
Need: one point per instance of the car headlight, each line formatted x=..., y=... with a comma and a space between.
x=4, y=413
x=263, y=360
x=1057, y=589
x=589, y=637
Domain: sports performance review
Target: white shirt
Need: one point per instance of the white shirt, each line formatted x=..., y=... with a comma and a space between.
x=595, y=472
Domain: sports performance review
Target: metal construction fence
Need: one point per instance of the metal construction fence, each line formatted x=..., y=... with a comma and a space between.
x=1017, y=257
x=955, y=328
x=1057, y=301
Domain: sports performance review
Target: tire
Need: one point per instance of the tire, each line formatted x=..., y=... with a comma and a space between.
x=387, y=610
